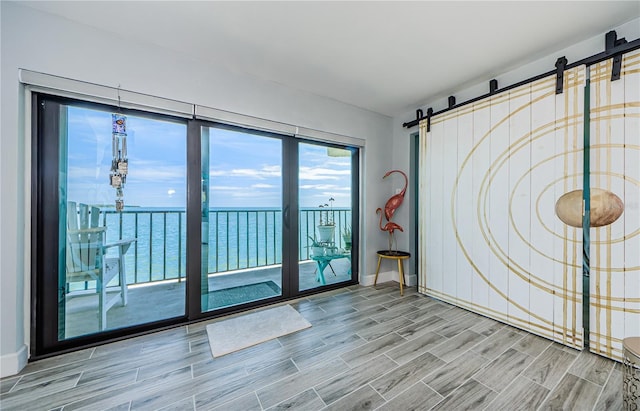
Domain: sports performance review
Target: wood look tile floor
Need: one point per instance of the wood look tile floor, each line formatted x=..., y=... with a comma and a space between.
x=368, y=348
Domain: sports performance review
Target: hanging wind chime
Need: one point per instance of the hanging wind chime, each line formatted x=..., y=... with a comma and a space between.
x=119, y=162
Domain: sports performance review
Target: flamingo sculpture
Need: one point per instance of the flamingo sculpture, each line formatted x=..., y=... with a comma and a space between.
x=390, y=227
x=396, y=200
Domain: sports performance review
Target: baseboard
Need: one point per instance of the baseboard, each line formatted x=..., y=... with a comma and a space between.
x=11, y=364
x=410, y=280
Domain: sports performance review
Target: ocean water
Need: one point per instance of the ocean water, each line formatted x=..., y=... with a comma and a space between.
x=238, y=239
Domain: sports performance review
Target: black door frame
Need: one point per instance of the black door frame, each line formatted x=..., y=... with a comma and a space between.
x=46, y=260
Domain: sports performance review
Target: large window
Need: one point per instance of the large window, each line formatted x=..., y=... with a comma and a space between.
x=145, y=220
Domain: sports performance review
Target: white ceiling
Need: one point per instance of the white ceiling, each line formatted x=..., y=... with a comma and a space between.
x=388, y=57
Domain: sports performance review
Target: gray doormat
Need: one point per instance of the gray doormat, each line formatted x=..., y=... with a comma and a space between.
x=243, y=294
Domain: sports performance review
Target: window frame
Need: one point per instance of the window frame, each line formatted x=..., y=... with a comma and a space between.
x=45, y=240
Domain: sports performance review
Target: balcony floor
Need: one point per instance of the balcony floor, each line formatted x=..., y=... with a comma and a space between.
x=157, y=301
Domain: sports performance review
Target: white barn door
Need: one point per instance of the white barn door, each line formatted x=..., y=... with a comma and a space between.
x=615, y=169
x=490, y=175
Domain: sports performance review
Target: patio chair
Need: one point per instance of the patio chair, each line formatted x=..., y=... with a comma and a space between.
x=87, y=261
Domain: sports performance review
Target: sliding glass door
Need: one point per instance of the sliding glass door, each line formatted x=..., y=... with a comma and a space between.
x=142, y=221
x=326, y=217
x=114, y=183
x=241, y=217
x=277, y=216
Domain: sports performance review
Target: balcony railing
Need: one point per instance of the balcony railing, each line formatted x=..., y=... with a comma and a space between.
x=238, y=239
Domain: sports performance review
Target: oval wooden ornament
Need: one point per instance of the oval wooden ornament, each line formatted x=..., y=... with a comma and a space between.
x=606, y=207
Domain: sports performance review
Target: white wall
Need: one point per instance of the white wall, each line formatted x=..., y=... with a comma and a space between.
x=40, y=42
x=401, y=135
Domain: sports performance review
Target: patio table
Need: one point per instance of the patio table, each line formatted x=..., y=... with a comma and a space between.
x=322, y=261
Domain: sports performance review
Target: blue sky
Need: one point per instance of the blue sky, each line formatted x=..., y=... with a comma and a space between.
x=245, y=170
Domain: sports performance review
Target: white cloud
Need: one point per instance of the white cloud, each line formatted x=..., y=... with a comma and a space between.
x=249, y=194
x=262, y=173
x=319, y=173
x=335, y=195
x=319, y=187
x=223, y=188
x=156, y=174
x=339, y=163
